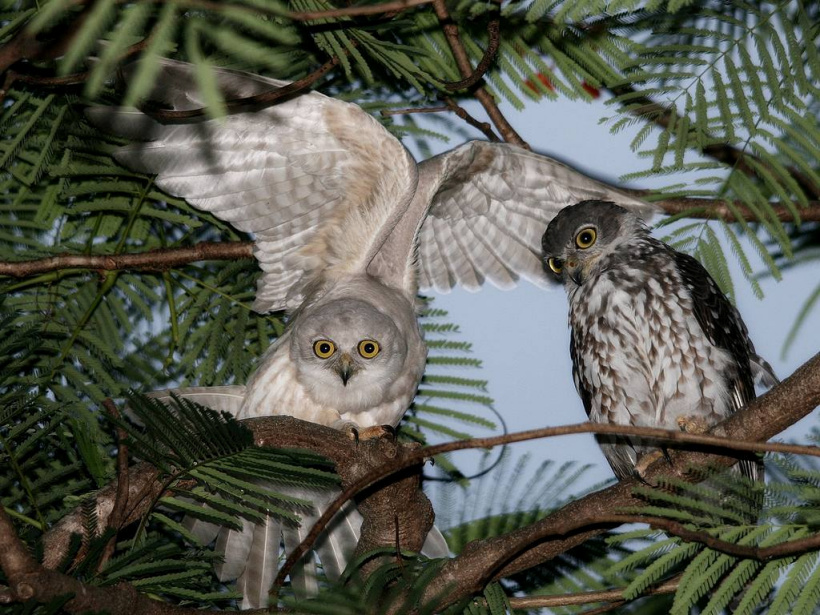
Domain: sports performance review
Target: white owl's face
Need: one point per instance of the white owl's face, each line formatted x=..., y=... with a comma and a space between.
x=347, y=354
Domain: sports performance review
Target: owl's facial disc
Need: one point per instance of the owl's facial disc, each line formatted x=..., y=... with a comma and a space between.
x=347, y=354
x=581, y=234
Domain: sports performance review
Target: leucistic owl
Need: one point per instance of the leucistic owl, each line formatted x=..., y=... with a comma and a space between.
x=347, y=228
x=654, y=341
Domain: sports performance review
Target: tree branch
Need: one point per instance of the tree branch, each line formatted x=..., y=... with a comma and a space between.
x=717, y=208
x=765, y=417
x=493, y=41
x=152, y=260
x=168, y=258
x=249, y=103
x=610, y=595
x=28, y=580
x=508, y=133
x=646, y=108
x=354, y=11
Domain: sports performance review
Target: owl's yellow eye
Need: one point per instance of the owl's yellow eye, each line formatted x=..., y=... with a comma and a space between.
x=585, y=238
x=369, y=348
x=324, y=349
x=555, y=264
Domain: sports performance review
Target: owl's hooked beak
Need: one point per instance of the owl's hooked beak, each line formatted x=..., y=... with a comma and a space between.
x=575, y=271
x=345, y=367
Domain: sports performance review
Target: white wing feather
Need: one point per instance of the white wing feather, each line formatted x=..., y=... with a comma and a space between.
x=492, y=205
x=317, y=180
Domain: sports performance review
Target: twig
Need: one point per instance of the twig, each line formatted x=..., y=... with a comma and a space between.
x=385, y=8
x=508, y=133
x=167, y=258
x=450, y=105
x=152, y=260
x=484, y=127
x=118, y=515
x=611, y=595
x=493, y=41
x=13, y=76
x=249, y=103
x=717, y=208
x=412, y=110
x=353, y=11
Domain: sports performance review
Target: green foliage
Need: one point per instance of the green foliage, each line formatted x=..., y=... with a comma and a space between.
x=710, y=580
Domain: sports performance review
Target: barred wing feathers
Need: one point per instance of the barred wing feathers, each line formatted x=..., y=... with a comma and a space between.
x=318, y=181
x=486, y=220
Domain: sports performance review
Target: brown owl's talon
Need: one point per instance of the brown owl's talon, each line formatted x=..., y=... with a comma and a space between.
x=692, y=424
x=647, y=460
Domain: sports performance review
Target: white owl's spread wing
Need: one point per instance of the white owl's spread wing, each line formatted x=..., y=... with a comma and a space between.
x=317, y=180
x=486, y=221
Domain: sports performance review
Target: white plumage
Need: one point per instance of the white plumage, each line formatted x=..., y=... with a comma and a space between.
x=347, y=228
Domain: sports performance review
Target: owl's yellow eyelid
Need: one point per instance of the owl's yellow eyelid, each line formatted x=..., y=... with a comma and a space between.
x=368, y=348
x=324, y=349
x=586, y=237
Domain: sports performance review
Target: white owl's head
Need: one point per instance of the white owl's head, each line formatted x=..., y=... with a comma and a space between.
x=581, y=234
x=347, y=354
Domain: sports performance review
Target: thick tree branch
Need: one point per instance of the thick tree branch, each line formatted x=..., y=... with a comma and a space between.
x=764, y=418
x=28, y=580
x=507, y=554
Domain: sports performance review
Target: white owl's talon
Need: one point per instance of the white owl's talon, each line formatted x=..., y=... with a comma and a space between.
x=378, y=431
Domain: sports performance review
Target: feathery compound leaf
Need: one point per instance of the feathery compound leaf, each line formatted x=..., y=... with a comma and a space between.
x=183, y=433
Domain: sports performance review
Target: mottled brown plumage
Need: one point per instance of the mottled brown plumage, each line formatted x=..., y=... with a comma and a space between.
x=654, y=341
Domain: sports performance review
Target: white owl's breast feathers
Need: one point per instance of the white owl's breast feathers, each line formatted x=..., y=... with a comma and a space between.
x=328, y=191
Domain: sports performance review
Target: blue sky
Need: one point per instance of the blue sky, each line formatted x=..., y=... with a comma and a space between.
x=526, y=357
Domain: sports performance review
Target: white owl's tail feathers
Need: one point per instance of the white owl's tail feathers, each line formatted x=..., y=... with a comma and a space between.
x=224, y=399
x=251, y=555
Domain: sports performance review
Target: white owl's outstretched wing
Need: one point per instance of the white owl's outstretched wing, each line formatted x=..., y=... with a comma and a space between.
x=486, y=220
x=317, y=180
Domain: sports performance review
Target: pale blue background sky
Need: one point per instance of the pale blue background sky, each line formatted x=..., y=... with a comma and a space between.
x=525, y=355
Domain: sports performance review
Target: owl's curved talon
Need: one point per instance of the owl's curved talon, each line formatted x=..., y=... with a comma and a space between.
x=378, y=431
x=352, y=433
x=647, y=460
x=692, y=424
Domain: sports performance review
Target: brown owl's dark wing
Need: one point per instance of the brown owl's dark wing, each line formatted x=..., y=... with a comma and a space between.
x=578, y=375
x=722, y=324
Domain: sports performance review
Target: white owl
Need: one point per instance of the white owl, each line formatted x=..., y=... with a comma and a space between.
x=347, y=229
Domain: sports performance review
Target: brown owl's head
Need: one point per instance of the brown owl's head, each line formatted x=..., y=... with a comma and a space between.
x=580, y=234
